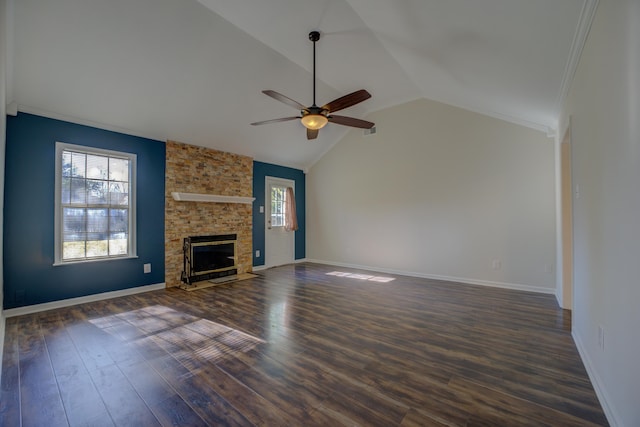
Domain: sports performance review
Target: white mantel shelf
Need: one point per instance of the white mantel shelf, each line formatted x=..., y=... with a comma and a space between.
x=210, y=198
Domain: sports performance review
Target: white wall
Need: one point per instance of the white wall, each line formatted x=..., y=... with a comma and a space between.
x=604, y=106
x=3, y=119
x=438, y=192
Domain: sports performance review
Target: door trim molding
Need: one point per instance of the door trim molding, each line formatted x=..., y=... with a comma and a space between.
x=285, y=182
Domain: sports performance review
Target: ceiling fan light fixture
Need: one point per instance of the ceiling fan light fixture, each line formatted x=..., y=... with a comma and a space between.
x=314, y=121
x=315, y=118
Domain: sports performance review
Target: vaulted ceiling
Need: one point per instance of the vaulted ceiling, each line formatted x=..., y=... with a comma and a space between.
x=193, y=70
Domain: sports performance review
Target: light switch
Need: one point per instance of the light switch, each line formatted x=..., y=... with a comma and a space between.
x=261, y=209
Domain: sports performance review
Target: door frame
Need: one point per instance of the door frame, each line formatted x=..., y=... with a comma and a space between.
x=566, y=212
x=285, y=182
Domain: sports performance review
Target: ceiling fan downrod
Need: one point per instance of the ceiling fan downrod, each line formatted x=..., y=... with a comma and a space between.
x=314, y=36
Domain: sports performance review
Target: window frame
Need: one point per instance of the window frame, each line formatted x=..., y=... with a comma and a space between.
x=58, y=216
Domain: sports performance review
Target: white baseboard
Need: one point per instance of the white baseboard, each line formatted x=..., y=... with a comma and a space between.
x=596, y=381
x=12, y=312
x=465, y=280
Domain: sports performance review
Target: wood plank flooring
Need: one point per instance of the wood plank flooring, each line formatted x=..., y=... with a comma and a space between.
x=298, y=347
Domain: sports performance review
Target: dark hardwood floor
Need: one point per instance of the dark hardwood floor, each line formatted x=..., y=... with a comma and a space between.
x=298, y=347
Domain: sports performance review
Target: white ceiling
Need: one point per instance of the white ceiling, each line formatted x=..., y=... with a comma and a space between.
x=192, y=70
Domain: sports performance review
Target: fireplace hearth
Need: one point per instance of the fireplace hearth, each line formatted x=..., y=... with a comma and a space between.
x=209, y=258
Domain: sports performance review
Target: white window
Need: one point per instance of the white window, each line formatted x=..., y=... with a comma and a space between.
x=95, y=204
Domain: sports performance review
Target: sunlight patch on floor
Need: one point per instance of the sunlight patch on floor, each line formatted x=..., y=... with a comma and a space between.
x=381, y=279
x=189, y=338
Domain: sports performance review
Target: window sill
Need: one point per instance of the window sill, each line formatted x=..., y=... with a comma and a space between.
x=86, y=261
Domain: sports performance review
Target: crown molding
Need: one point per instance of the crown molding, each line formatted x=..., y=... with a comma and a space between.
x=579, y=39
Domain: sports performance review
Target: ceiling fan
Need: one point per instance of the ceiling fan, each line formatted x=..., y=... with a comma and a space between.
x=315, y=118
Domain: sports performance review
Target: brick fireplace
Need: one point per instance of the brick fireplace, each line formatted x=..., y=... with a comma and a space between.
x=192, y=169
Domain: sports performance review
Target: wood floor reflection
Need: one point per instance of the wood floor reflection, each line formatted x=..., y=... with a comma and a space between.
x=300, y=345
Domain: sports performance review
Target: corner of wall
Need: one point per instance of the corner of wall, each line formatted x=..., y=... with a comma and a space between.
x=596, y=381
x=4, y=82
x=558, y=190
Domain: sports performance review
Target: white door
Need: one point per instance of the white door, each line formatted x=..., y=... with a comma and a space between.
x=279, y=243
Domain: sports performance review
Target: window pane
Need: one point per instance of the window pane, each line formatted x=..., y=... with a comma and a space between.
x=73, y=250
x=277, y=206
x=65, y=191
x=119, y=170
x=73, y=238
x=97, y=222
x=97, y=192
x=66, y=163
x=118, y=193
x=117, y=236
x=119, y=220
x=78, y=161
x=96, y=237
x=78, y=191
x=118, y=244
x=97, y=245
x=73, y=222
x=97, y=167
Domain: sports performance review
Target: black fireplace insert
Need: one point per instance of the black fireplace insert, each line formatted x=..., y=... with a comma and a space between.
x=209, y=257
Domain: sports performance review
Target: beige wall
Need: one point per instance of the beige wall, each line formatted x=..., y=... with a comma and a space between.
x=604, y=106
x=438, y=192
x=192, y=169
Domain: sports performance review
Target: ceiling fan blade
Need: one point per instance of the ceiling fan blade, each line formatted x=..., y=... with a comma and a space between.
x=312, y=134
x=350, y=121
x=285, y=99
x=347, y=100
x=284, y=119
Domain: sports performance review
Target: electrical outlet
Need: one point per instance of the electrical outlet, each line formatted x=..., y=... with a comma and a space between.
x=548, y=268
x=147, y=268
x=496, y=264
x=257, y=253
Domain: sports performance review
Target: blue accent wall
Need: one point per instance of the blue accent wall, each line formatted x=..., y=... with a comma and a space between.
x=260, y=172
x=29, y=275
